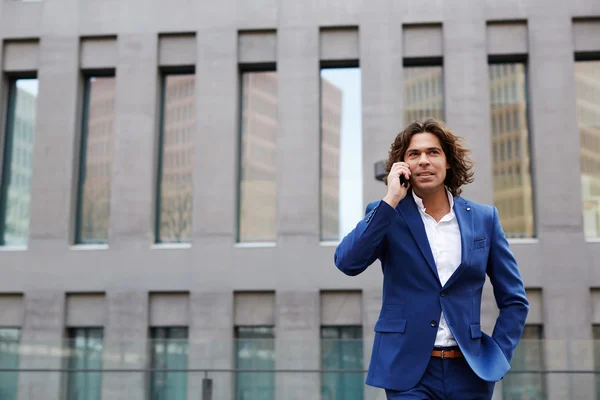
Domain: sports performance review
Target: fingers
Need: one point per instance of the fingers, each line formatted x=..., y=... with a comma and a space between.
x=401, y=168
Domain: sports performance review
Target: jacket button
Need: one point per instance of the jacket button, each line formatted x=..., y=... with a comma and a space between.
x=433, y=324
x=442, y=293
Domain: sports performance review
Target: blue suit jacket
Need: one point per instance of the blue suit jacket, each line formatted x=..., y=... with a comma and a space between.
x=413, y=297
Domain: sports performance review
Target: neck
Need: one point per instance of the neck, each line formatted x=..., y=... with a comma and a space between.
x=435, y=201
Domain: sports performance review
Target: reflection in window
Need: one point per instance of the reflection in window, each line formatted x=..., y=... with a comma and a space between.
x=255, y=349
x=174, y=211
x=169, y=350
x=258, y=150
x=342, y=349
x=428, y=103
x=528, y=356
x=9, y=359
x=15, y=190
x=96, y=160
x=512, y=176
x=587, y=80
x=341, y=151
x=86, y=346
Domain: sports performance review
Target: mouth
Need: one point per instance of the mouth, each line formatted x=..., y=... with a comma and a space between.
x=425, y=174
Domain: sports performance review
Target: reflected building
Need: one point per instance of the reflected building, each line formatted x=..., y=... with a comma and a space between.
x=587, y=81
x=423, y=93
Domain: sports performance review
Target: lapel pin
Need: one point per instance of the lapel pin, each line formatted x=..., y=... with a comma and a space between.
x=468, y=208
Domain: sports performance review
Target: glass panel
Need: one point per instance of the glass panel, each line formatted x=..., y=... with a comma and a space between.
x=15, y=195
x=510, y=132
x=423, y=93
x=341, y=151
x=342, y=349
x=9, y=358
x=177, y=158
x=86, y=345
x=258, y=150
x=255, y=349
x=587, y=80
x=529, y=355
x=169, y=351
x=96, y=160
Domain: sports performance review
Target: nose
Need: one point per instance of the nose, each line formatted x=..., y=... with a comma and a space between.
x=423, y=160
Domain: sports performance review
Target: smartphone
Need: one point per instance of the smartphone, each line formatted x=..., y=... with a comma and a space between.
x=403, y=181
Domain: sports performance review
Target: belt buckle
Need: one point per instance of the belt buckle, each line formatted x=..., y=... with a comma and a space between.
x=443, y=354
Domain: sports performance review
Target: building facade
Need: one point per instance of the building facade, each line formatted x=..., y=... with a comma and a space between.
x=175, y=177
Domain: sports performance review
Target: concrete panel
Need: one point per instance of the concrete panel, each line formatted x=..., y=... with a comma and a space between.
x=257, y=47
x=338, y=44
x=98, y=53
x=86, y=310
x=586, y=35
x=12, y=310
x=21, y=56
x=55, y=143
x=169, y=309
x=254, y=308
x=341, y=308
x=506, y=38
x=595, y=295
x=536, y=303
x=423, y=41
x=134, y=177
x=177, y=50
x=21, y=19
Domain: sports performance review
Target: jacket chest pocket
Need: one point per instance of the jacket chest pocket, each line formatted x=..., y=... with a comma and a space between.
x=479, y=243
x=391, y=325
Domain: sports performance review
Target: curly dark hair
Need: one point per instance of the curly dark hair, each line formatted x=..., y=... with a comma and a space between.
x=457, y=155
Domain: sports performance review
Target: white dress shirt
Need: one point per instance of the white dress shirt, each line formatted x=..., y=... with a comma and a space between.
x=444, y=240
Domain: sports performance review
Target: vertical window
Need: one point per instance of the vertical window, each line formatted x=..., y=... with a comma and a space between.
x=176, y=159
x=432, y=104
x=341, y=151
x=516, y=221
x=342, y=349
x=97, y=133
x=85, y=345
x=9, y=359
x=529, y=356
x=587, y=78
x=15, y=186
x=255, y=349
x=168, y=351
x=257, y=202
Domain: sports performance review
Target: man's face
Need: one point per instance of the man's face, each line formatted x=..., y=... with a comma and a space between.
x=427, y=163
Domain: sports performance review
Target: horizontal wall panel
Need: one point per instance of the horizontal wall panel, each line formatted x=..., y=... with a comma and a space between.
x=339, y=44
x=169, y=309
x=86, y=310
x=12, y=310
x=98, y=53
x=21, y=55
x=595, y=293
x=257, y=47
x=177, y=50
x=341, y=308
x=535, y=316
x=506, y=38
x=422, y=41
x=254, y=309
x=586, y=35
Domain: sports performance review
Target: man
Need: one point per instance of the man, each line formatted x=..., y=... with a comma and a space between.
x=435, y=250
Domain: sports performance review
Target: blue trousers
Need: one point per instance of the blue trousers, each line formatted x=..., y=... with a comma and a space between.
x=446, y=379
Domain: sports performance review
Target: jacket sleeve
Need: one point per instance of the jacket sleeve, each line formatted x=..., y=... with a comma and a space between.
x=365, y=243
x=509, y=291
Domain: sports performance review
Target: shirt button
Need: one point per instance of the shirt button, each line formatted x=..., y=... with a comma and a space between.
x=433, y=324
x=442, y=293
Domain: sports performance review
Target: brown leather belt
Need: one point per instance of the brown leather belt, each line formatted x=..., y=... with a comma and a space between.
x=446, y=353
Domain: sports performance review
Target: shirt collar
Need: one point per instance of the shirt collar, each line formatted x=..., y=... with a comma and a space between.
x=421, y=207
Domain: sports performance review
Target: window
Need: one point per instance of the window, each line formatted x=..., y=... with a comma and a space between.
x=9, y=359
x=341, y=151
x=15, y=186
x=257, y=196
x=342, y=349
x=587, y=77
x=174, y=205
x=93, y=205
x=168, y=350
x=431, y=105
x=255, y=349
x=86, y=346
x=507, y=123
x=528, y=356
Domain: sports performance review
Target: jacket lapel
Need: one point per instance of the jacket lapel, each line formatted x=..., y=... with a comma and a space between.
x=410, y=212
x=464, y=216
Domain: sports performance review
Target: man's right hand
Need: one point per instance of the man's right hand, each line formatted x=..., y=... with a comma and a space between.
x=396, y=192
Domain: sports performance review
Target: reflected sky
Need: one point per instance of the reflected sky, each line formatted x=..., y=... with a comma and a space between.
x=29, y=85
